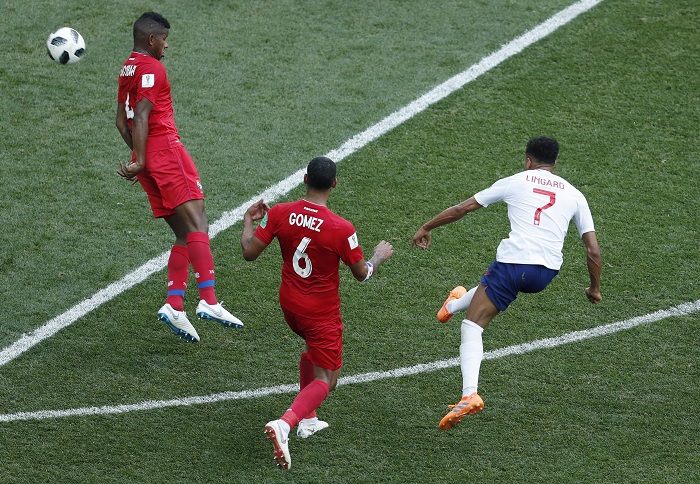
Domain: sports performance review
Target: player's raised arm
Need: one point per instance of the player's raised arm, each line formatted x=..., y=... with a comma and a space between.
x=251, y=246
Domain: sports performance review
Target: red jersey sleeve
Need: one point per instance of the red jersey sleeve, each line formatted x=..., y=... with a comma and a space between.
x=151, y=79
x=349, y=246
x=264, y=232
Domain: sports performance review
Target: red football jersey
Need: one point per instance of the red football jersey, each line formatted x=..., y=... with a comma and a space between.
x=313, y=241
x=144, y=76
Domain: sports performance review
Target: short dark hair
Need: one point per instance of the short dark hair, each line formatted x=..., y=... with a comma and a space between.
x=543, y=150
x=321, y=173
x=150, y=23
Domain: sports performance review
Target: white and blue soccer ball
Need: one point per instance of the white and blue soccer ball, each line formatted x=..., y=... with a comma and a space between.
x=66, y=46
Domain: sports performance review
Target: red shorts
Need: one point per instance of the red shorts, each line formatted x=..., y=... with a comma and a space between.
x=170, y=179
x=324, y=338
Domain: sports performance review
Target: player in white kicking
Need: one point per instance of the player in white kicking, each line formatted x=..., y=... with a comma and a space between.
x=540, y=207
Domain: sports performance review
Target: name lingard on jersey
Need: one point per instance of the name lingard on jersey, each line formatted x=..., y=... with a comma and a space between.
x=545, y=181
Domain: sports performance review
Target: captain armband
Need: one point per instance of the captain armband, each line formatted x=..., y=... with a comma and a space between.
x=370, y=271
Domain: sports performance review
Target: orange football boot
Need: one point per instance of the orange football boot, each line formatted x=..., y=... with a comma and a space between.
x=468, y=405
x=444, y=315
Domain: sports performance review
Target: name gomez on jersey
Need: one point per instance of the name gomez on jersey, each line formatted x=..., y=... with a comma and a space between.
x=313, y=240
x=301, y=220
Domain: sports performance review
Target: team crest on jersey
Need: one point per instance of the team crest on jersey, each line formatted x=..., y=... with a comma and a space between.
x=148, y=80
x=352, y=240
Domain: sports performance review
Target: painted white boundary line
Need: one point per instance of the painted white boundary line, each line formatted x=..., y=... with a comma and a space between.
x=27, y=341
x=575, y=336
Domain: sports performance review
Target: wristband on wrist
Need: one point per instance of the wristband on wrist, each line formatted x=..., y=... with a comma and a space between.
x=370, y=271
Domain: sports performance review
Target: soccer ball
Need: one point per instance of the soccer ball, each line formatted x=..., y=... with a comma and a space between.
x=66, y=46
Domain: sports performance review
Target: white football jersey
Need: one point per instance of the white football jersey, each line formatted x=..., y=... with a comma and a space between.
x=540, y=207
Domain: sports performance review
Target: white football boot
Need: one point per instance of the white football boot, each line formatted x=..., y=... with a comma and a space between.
x=309, y=426
x=280, y=441
x=217, y=313
x=178, y=322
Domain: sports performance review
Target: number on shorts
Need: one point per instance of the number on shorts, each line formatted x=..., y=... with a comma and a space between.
x=552, y=198
x=300, y=253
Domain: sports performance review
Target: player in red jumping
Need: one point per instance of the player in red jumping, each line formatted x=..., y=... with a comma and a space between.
x=161, y=164
x=313, y=241
x=540, y=207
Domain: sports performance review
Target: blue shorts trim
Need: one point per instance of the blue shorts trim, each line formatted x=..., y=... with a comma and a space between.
x=504, y=281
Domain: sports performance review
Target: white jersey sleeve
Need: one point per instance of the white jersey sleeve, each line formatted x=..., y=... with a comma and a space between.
x=540, y=207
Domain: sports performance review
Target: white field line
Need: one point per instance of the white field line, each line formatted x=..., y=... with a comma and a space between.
x=51, y=327
x=575, y=336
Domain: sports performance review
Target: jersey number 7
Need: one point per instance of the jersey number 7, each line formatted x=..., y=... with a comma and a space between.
x=552, y=198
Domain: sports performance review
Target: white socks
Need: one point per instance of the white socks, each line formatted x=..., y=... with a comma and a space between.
x=457, y=305
x=471, y=351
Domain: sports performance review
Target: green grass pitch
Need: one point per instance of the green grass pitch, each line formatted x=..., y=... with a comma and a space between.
x=259, y=89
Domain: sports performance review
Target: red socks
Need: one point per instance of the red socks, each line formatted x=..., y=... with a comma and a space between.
x=178, y=273
x=308, y=400
x=203, y=265
x=198, y=253
x=306, y=376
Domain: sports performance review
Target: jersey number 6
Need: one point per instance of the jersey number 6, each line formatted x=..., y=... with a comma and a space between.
x=552, y=198
x=299, y=254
